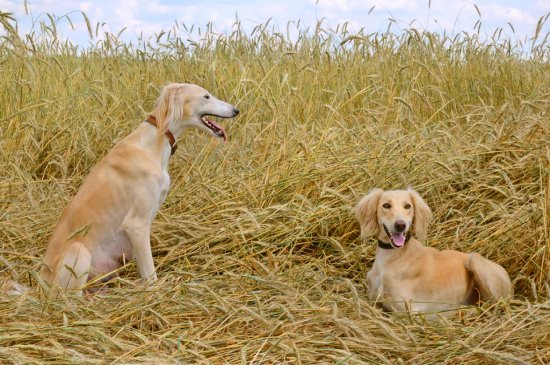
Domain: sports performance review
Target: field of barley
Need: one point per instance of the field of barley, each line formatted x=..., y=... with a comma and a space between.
x=256, y=247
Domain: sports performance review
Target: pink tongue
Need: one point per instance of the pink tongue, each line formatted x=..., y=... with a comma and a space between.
x=219, y=127
x=398, y=239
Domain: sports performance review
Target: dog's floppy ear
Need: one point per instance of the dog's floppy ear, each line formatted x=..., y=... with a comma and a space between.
x=365, y=213
x=166, y=106
x=422, y=214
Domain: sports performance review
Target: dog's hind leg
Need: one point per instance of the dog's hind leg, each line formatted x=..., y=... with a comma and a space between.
x=491, y=280
x=73, y=268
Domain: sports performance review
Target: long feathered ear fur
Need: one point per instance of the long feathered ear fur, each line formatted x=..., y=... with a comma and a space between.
x=365, y=213
x=167, y=107
x=422, y=215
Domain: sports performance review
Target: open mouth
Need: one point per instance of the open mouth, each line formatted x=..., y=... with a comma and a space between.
x=214, y=127
x=397, y=239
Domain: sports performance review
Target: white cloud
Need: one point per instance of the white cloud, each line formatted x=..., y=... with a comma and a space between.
x=157, y=8
x=507, y=14
x=275, y=9
x=86, y=6
x=94, y=13
x=408, y=5
x=334, y=5
x=125, y=12
x=353, y=5
x=10, y=6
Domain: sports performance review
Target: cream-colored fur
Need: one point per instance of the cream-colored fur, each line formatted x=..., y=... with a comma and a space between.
x=414, y=277
x=108, y=222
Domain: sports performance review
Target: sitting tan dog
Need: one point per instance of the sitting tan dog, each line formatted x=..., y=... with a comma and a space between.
x=108, y=222
x=409, y=276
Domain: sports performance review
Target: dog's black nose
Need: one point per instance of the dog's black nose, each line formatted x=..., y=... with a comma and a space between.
x=235, y=111
x=400, y=226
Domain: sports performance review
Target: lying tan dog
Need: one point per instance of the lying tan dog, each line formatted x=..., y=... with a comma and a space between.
x=108, y=222
x=409, y=276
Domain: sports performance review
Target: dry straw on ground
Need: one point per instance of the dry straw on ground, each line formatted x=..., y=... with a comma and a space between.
x=258, y=253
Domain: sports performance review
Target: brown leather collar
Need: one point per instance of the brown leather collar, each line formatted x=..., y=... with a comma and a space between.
x=152, y=120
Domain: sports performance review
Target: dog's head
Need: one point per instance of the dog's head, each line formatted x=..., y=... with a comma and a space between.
x=391, y=214
x=181, y=106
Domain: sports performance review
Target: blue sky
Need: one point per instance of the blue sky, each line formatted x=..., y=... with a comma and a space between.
x=150, y=17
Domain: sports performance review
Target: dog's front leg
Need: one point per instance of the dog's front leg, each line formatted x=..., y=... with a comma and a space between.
x=138, y=232
x=144, y=258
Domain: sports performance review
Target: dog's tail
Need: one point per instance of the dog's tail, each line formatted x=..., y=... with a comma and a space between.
x=491, y=280
x=9, y=286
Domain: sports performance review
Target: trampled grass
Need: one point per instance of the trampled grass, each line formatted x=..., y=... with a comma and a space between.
x=257, y=250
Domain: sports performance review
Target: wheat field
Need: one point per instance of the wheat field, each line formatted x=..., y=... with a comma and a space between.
x=256, y=247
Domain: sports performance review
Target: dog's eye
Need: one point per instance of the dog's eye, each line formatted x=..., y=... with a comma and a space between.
x=207, y=96
x=407, y=206
x=386, y=206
